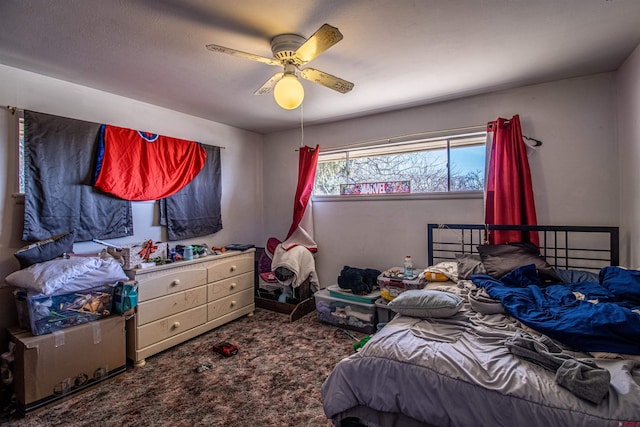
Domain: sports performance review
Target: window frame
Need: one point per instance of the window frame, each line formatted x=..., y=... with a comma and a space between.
x=396, y=147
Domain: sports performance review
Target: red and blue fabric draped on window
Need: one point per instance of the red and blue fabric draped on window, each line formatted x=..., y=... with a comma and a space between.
x=509, y=198
x=136, y=165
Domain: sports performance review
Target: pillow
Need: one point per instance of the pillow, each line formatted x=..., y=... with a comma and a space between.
x=577, y=276
x=500, y=259
x=49, y=276
x=469, y=264
x=45, y=250
x=623, y=283
x=426, y=303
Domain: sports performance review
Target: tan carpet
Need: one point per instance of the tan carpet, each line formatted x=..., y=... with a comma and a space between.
x=274, y=380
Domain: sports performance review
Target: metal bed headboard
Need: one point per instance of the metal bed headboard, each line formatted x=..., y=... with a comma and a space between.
x=565, y=247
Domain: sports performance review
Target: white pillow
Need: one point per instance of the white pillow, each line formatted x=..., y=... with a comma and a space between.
x=424, y=303
x=52, y=276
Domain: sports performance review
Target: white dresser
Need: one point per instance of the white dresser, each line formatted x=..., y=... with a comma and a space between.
x=179, y=301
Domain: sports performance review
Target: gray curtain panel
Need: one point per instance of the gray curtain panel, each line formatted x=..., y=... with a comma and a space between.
x=194, y=211
x=59, y=196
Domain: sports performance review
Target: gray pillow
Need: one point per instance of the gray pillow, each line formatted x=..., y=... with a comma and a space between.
x=503, y=258
x=469, y=264
x=45, y=250
x=424, y=303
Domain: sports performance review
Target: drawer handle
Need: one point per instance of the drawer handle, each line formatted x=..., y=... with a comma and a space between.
x=233, y=303
x=233, y=268
x=176, y=325
x=175, y=282
x=233, y=285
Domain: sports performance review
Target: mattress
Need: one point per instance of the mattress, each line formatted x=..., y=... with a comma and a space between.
x=457, y=371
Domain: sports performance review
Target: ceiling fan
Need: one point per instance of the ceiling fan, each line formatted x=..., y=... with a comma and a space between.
x=291, y=51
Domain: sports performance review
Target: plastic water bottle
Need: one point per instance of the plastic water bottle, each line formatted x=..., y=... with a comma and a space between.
x=408, y=267
x=187, y=253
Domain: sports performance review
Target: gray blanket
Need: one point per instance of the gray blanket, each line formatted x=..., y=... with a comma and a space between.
x=458, y=372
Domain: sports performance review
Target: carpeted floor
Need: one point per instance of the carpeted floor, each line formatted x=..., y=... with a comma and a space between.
x=274, y=380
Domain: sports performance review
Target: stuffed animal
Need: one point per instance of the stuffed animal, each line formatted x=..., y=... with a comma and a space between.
x=360, y=281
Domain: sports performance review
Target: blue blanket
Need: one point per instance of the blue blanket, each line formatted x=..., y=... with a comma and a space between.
x=586, y=316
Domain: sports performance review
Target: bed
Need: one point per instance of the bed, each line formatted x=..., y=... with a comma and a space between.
x=457, y=355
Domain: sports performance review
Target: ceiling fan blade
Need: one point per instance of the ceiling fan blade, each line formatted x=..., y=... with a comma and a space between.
x=321, y=40
x=269, y=84
x=332, y=82
x=241, y=54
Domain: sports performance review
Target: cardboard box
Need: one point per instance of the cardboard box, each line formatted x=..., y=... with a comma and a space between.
x=50, y=368
x=131, y=254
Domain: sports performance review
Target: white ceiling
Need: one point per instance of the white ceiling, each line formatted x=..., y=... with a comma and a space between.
x=399, y=53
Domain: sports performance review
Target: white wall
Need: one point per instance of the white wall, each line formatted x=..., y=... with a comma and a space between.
x=575, y=172
x=241, y=160
x=628, y=85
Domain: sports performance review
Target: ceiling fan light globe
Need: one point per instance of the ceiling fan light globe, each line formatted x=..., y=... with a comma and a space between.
x=288, y=92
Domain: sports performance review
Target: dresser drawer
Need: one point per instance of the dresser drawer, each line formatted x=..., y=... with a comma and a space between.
x=169, y=326
x=223, y=288
x=164, y=282
x=228, y=267
x=228, y=304
x=168, y=305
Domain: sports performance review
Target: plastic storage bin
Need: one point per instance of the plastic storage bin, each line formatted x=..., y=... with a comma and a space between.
x=44, y=314
x=391, y=287
x=347, y=314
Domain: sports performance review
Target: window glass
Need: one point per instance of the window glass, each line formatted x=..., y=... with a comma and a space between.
x=449, y=164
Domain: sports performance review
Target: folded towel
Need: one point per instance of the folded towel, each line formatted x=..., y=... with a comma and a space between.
x=585, y=379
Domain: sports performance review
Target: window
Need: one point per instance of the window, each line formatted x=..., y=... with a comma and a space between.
x=436, y=165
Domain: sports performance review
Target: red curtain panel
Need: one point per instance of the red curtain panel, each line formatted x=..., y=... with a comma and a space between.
x=509, y=191
x=307, y=164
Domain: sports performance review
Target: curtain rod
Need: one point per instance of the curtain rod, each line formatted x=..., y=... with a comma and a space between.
x=474, y=128
x=14, y=109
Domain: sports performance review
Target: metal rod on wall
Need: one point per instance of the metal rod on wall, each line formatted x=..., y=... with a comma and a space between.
x=14, y=109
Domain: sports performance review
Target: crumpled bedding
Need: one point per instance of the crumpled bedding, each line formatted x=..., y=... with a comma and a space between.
x=67, y=275
x=587, y=316
x=458, y=372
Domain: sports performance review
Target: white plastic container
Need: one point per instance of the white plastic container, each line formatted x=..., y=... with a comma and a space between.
x=346, y=314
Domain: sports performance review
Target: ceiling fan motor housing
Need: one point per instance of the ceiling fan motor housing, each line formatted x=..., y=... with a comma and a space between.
x=284, y=47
